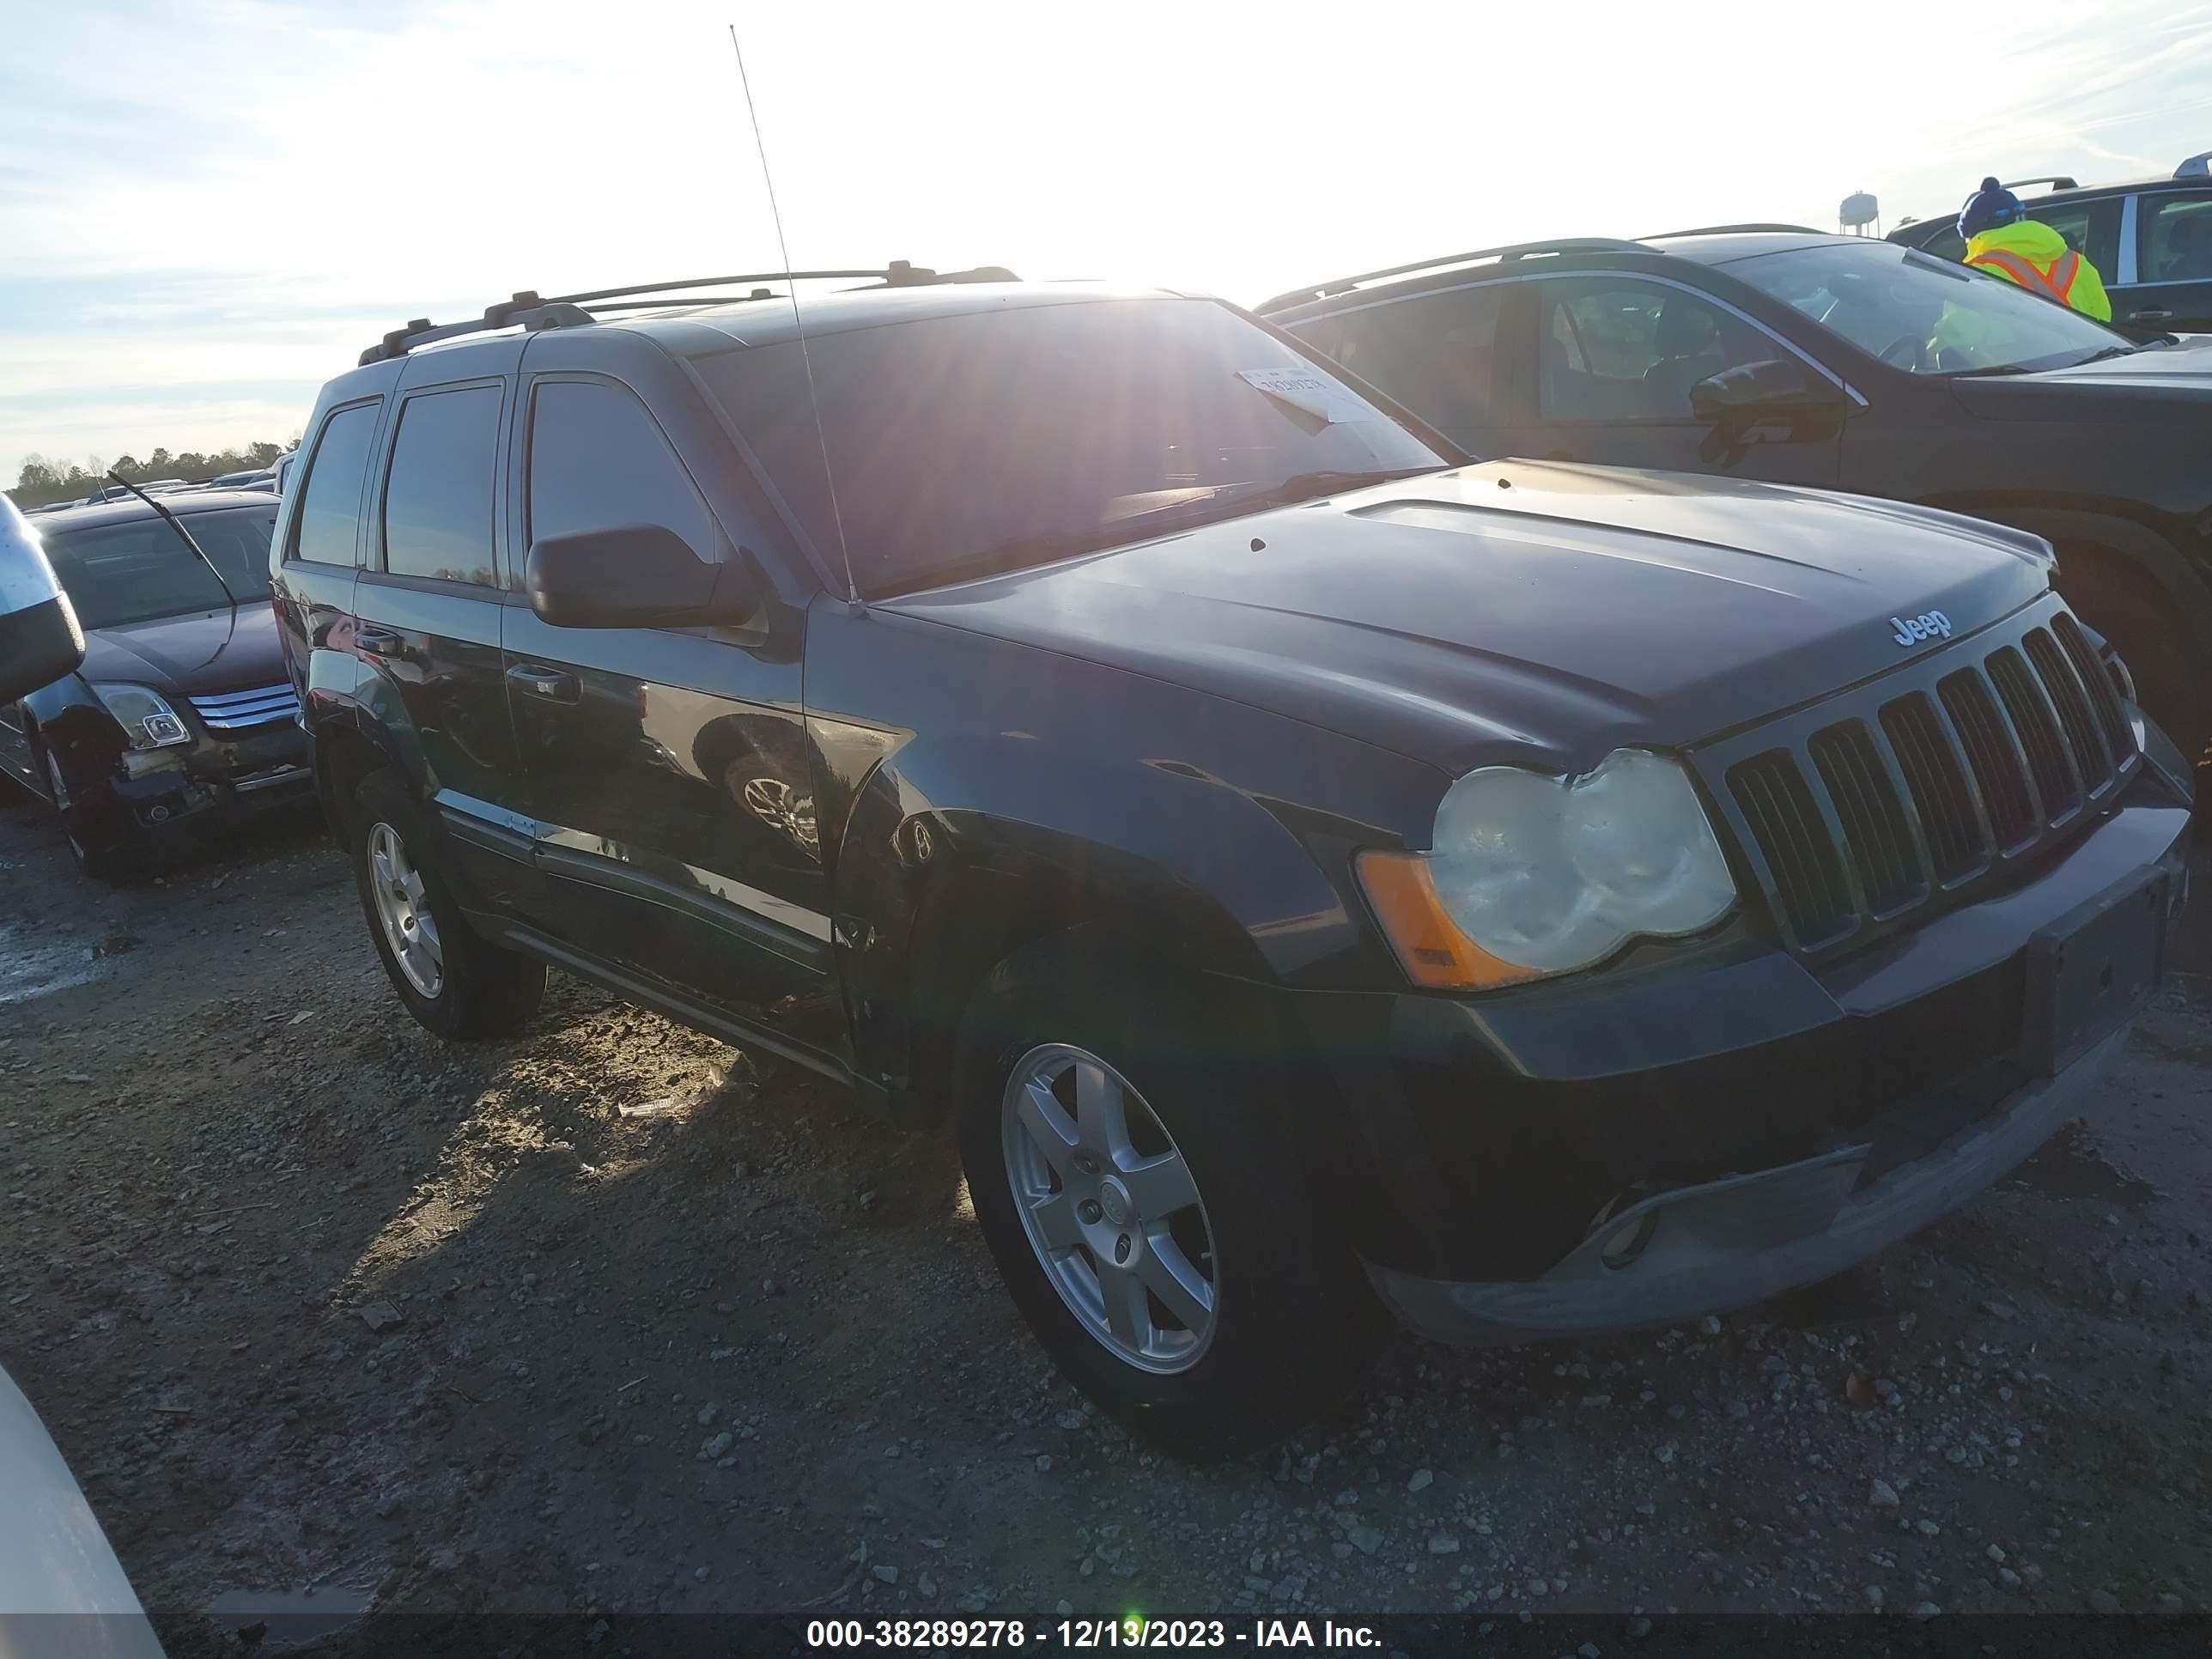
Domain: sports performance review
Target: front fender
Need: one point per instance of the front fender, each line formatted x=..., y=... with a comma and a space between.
x=2122, y=538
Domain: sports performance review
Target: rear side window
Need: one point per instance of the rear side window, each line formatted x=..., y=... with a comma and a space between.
x=323, y=531
x=1435, y=353
x=2177, y=239
x=437, y=498
x=2092, y=229
x=597, y=461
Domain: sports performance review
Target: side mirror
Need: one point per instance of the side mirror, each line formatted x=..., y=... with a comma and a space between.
x=639, y=575
x=39, y=639
x=1770, y=389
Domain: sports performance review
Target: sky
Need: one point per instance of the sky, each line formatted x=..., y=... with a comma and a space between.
x=210, y=206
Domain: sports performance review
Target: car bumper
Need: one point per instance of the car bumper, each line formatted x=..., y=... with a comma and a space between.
x=1731, y=1242
x=207, y=785
x=1690, y=1131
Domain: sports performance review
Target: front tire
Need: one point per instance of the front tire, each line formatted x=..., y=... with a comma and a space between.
x=455, y=982
x=1142, y=1191
x=103, y=856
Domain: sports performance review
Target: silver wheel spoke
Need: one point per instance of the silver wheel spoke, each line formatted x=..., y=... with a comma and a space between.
x=380, y=860
x=1160, y=1186
x=1055, y=1222
x=426, y=937
x=1181, y=1289
x=1127, y=1314
x=1094, y=1210
x=1101, y=1114
x=1047, y=1124
x=411, y=885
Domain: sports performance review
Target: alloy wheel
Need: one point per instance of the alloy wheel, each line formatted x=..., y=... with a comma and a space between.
x=1110, y=1207
x=404, y=911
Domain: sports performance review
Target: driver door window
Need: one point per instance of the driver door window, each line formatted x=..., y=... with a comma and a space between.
x=1617, y=351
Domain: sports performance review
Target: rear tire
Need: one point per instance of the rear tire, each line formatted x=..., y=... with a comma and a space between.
x=1196, y=1184
x=454, y=981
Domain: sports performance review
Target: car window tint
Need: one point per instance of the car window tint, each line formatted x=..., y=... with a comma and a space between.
x=438, y=496
x=323, y=531
x=1004, y=437
x=116, y=574
x=1435, y=353
x=2176, y=238
x=1625, y=351
x=598, y=460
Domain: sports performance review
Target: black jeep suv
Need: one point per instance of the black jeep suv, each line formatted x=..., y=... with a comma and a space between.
x=2150, y=239
x=182, y=719
x=1760, y=352
x=1312, y=876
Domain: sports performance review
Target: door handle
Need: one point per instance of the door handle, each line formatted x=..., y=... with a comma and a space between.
x=377, y=641
x=2155, y=316
x=548, y=684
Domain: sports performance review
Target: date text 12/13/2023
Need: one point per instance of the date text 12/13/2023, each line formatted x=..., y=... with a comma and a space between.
x=1133, y=1630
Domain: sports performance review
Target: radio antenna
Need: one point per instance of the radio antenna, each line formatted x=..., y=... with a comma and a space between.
x=829, y=477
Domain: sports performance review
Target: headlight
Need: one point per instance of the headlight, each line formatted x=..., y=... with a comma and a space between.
x=146, y=720
x=1532, y=875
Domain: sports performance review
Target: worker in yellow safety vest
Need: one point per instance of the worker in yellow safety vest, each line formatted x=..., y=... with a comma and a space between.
x=2004, y=241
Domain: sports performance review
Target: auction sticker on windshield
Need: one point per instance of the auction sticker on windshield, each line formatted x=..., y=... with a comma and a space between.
x=1317, y=394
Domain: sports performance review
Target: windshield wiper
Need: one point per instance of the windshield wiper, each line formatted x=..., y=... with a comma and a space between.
x=1985, y=373
x=2107, y=354
x=183, y=534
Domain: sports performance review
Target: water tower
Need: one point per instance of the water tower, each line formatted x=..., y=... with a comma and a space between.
x=1859, y=214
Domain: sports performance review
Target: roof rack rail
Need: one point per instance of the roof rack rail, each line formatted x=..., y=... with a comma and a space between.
x=1731, y=230
x=1505, y=254
x=2055, y=180
x=529, y=310
x=2197, y=167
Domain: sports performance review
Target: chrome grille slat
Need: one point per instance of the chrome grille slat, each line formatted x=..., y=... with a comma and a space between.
x=1857, y=812
x=238, y=711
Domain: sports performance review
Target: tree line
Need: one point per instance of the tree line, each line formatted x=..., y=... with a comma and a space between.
x=42, y=481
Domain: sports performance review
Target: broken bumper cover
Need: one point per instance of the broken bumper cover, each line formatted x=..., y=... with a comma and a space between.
x=1728, y=1243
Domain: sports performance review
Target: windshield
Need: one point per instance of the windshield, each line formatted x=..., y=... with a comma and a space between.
x=141, y=569
x=963, y=446
x=1924, y=314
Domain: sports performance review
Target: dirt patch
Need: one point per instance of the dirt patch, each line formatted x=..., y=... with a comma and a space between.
x=313, y=1301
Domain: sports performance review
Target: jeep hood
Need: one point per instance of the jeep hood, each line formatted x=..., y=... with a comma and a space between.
x=192, y=654
x=1518, y=612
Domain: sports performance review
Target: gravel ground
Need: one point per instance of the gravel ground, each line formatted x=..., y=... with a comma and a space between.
x=613, y=1319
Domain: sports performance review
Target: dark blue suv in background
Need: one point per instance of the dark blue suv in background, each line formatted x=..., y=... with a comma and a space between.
x=1315, y=880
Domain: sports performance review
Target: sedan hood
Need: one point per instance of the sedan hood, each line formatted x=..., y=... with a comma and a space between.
x=192, y=654
x=1535, y=614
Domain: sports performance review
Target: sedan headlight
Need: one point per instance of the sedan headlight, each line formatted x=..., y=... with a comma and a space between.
x=1531, y=875
x=145, y=717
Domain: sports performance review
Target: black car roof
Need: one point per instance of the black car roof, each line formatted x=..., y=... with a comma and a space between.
x=1715, y=246
x=179, y=502
x=702, y=326
x=765, y=322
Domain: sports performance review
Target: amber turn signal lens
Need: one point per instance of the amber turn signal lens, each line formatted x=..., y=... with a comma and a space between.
x=1436, y=954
